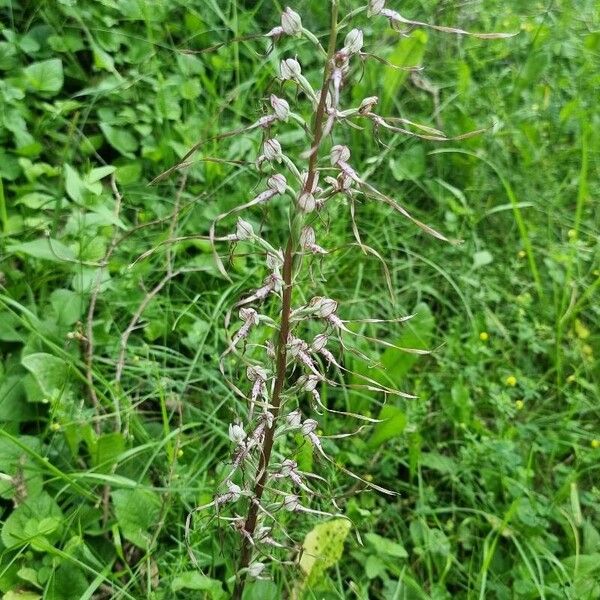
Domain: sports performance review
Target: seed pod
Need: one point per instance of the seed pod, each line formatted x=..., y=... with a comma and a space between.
x=291, y=23
x=277, y=183
x=272, y=150
x=244, y=230
x=289, y=69
x=339, y=153
x=281, y=107
x=354, y=41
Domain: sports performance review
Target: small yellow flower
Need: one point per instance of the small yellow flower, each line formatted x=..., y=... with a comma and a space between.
x=179, y=453
x=519, y=404
x=522, y=254
x=571, y=378
x=484, y=336
x=369, y=477
x=571, y=234
x=55, y=427
x=595, y=444
x=511, y=380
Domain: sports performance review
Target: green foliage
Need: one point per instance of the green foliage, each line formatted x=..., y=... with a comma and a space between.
x=498, y=493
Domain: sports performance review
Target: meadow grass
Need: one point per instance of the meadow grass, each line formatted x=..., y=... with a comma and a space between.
x=496, y=461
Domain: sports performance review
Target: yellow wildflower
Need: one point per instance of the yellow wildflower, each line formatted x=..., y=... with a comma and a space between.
x=511, y=380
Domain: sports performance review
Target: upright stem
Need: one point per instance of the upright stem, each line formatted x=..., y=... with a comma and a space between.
x=284, y=329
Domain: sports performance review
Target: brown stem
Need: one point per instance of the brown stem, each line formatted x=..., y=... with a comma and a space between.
x=284, y=330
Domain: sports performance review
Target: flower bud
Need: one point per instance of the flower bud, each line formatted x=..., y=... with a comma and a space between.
x=291, y=503
x=308, y=383
x=323, y=307
x=375, y=7
x=366, y=106
x=306, y=202
x=309, y=426
x=289, y=69
x=339, y=153
x=277, y=183
x=287, y=466
x=354, y=41
x=281, y=107
x=291, y=23
x=244, y=230
x=254, y=372
x=255, y=569
x=274, y=260
x=307, y=237
x=294, y=420
x=272, y=150
x=319, y=342
x=249, y=315
x=235, y=491
x=236, y=433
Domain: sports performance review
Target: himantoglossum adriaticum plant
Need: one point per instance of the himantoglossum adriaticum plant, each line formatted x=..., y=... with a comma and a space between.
x=308, y=336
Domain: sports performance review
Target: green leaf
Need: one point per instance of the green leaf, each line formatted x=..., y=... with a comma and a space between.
x=45, y=248
x=410, y=164
x=322, y=548
x=482, y=258
x=21, y=595
x=50, y=373
x=68, y=582
x=409, y=52
x=45, y=76
x=120, y=139
x=394, y=424
x=36, y=521
x=73, y=183
x=68, y=306
x=192, y=580
x=107, y=450
x=25, y=479
x=136, y=511
x=384, y=546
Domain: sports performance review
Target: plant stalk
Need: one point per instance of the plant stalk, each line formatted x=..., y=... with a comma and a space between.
x=284, y=330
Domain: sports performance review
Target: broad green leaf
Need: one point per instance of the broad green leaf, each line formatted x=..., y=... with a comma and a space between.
x=393, y=425
x=73, y=184
x=45, y=76
x=107, y=450
x=25, y=479
x=50, y=373
x=136, y=512
x=192, y=580
x=68, y=306
x=37, y=520
x=408, y=52
x=21, y=595
x=410, y=164
x=44, y=248
x=322, y=548
x=385, y=547
x=120, y=139
x=99, y=173
x=67, y=582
